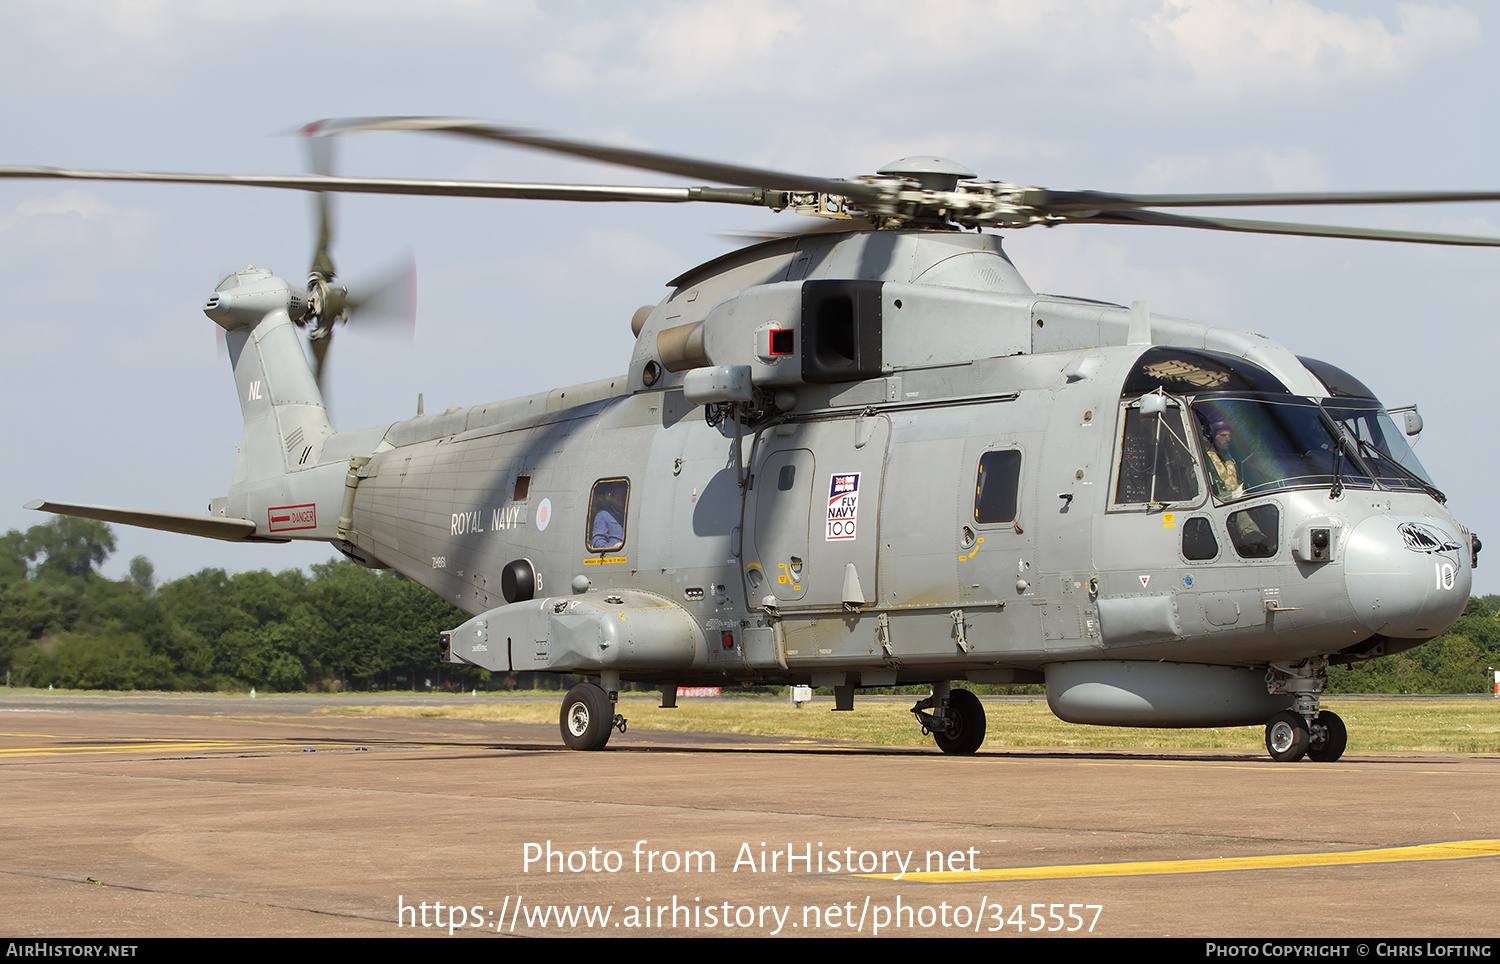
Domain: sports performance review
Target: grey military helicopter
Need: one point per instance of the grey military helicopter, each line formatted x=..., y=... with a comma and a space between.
x=872, y=456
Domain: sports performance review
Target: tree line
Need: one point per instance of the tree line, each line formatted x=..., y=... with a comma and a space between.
x=1461, y=661
x=341, y=626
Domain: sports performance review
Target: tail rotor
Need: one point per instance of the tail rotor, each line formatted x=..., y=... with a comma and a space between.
x=388, y=304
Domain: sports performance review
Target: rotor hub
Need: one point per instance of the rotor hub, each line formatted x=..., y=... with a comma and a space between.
x=931, y=172
x=327, y=302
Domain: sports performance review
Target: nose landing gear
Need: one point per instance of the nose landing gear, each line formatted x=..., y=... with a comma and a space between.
x=1329, y=737
x=1287, y=737
x=1303, y=730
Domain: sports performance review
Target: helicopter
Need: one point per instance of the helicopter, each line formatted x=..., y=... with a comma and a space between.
x=869, y=455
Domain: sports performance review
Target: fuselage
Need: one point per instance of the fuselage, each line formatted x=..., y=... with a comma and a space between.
x=880, y=458
x=991, y=490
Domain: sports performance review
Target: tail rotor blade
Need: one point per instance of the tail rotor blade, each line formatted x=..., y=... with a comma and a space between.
x=320, y=158
x=321, y=340
x=388, y=305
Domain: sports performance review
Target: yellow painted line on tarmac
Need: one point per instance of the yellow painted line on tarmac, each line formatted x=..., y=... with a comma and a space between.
x=1452, y=850
x=138, y=747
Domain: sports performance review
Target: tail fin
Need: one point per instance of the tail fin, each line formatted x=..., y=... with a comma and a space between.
x=279, y=490
x=286, y=422
x=277, y=481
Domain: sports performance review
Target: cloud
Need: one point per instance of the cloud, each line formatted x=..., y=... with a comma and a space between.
x=85, y=204
x=81, y=226
x=613, y=252
x=1113, y=268
x=1238, y=47
x=758, y=63
x=1245, y=166
x=809, y=55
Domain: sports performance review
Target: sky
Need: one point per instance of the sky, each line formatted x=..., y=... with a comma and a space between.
x=112, y=390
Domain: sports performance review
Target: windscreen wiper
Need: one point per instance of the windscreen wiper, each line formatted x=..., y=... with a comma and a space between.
x=1383, y=459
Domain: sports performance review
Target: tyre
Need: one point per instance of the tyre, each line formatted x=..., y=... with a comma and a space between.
x=1329, y=737
x=587, y=717
x=967, y=715
x=1287, y=737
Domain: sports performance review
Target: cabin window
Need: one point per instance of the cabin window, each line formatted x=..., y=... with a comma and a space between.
x=998, y=487
x=1198, y=540
x=1156, y=464
x=607, y=504
x=522, y=489
x=1254, y=531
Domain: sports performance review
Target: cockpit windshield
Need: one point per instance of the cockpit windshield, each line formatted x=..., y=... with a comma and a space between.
x=1381, y=444
x=1258, y=444
x=1257, y=437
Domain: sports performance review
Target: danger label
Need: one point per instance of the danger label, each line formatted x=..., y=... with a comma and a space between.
x=284, y=518
x=843, y=505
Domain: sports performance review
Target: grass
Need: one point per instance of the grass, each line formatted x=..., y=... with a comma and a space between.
x=1390, y=724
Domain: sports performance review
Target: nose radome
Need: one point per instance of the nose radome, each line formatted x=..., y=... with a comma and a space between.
x=1406, y=577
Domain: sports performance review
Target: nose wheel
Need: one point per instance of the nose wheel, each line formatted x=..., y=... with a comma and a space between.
x=1303, y=730
x=1289, y=737
x=1328, y=738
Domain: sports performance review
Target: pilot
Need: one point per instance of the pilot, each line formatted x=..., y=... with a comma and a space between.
x=608, y=529
x=1226, y=475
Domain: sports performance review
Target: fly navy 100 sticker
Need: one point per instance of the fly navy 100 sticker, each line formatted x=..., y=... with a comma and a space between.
x=843, y=505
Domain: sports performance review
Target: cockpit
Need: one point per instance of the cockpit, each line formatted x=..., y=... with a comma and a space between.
x=1255, y=437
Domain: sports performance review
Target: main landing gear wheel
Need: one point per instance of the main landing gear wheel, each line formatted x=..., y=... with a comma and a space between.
x=587, y=717
x=965, y=731
x=1287, y=737
x=1329, y=737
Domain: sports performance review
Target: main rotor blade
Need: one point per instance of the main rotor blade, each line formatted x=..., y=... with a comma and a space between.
x=1062, y=202
x=627, y=157
x=1280, y=227
x=376, y=185
x=815, y=228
